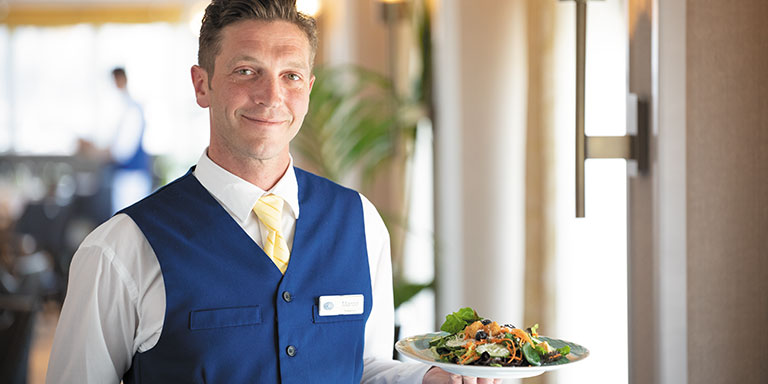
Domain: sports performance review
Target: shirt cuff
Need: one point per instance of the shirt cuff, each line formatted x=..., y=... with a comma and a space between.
x=388, y=371
x=412, y=373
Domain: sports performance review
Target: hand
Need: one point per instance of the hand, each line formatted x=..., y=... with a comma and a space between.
x=436, y=375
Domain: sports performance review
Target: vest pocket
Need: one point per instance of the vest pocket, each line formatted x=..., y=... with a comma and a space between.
x=224, y=317
x=316, y=318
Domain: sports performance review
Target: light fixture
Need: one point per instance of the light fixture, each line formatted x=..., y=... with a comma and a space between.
x=308, y=7
x=392, y=11
x=196, y=21
x=195, y=13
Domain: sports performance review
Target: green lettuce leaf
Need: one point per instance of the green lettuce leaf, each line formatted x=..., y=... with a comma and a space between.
x=455, y=322
x=531, y=355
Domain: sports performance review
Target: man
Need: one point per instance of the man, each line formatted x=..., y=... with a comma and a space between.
x=245, y=270
x=132, y=176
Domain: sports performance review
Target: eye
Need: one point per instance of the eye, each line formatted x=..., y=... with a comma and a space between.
x=244, y=72
x=293, y=77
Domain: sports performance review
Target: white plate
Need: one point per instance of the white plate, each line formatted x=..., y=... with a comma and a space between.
x=417, y=348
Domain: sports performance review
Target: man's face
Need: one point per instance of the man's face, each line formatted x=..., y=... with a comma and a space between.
x=259, y=91
x=120, y=81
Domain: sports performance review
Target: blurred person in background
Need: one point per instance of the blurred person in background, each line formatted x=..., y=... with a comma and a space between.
x=128, y=176
x=132, y=175
x=246, y=269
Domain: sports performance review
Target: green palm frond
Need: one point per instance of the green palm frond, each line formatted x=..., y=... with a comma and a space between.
x=353, y=122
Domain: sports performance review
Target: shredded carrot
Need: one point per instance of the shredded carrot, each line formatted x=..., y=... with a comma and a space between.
x=521, y=335
x=511, y=348
x=469, y=356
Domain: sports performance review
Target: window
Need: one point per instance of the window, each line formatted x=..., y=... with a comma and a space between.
x=591, y=253
x=57, y=87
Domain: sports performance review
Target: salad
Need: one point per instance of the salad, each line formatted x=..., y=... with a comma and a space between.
x=473, y=340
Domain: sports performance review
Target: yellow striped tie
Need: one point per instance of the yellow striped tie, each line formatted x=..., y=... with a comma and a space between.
x=269, y=210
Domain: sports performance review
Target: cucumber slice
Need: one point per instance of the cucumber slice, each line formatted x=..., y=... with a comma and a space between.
x=495, y=350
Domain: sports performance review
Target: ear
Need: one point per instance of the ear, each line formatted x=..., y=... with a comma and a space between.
x=311, y=82
x=200, y=82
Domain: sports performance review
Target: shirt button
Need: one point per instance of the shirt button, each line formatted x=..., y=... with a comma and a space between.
x=287, y=296
x=291, y=351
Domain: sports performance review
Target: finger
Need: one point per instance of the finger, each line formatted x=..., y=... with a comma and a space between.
x=455, y=379
x=470, y=380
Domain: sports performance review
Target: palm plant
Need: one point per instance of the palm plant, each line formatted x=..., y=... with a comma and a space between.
x=356, y=125
x=352, y=126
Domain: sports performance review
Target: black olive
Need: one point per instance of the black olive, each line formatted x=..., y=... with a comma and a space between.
x=485, y=358
x=486, y=321
x=480, y=335
x=455, y=360
x=509, y=326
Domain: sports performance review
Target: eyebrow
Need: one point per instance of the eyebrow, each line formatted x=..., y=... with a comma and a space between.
x=291, y=64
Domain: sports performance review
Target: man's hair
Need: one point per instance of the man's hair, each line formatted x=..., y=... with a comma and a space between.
x=118, y=71
x=221, y=13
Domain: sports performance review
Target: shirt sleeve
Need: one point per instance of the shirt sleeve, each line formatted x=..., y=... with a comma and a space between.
x=94, y=340
x=379, y=367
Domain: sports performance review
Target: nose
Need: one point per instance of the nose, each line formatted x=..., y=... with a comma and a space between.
x=267, y=92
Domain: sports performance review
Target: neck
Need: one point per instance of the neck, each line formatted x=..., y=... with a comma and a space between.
x=263, y=173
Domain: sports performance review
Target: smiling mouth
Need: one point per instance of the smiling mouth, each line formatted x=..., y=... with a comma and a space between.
x=264, y=121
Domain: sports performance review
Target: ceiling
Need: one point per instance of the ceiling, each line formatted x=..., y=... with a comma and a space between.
x=64, y=12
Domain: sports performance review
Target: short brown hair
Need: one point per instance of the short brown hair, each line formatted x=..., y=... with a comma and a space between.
x=221, y=13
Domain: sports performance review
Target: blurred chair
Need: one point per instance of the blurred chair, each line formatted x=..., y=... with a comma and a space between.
x=17, y=323
x=59, y=222
x=20, y=301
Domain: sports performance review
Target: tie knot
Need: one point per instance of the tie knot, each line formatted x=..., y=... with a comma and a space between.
x=269, y=210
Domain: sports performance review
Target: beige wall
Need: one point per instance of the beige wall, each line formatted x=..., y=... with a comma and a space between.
x=698, y=221
x=727, y=190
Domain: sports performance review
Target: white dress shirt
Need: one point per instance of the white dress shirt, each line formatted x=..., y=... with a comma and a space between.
x=115, y=302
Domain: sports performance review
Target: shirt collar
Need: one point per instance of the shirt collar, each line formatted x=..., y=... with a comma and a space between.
x=238, y=196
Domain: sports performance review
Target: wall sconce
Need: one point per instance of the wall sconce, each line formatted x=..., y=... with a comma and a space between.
x=393, y=10
x=393, y=14
x=309, y=7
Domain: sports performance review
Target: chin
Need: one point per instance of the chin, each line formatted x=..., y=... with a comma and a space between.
x=258, y=153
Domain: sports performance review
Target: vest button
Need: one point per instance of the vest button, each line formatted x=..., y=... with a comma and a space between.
x=287, y=296
x=291, y=351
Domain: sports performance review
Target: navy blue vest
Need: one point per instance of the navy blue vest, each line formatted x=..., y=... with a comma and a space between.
x=231, y=316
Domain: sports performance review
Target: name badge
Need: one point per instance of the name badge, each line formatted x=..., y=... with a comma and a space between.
x=341, y=305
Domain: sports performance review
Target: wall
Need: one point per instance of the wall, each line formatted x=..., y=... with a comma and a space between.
x=727, y=182
x=698, y=246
